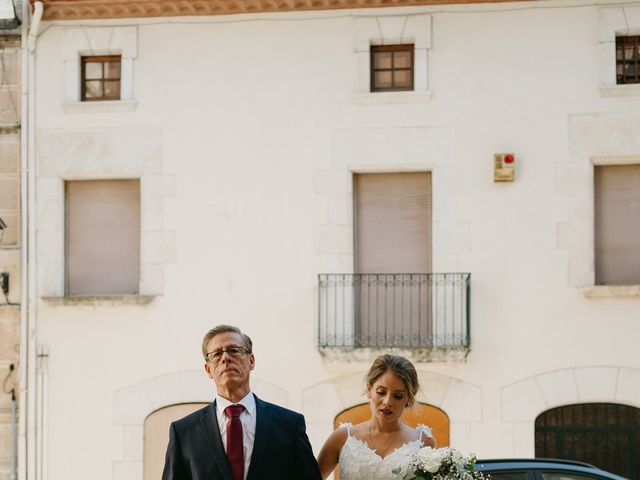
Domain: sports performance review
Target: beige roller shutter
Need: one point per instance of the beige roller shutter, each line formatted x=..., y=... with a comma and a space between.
x=393, y=236
x=102, y=237
x=617, y=224
x=393, y=222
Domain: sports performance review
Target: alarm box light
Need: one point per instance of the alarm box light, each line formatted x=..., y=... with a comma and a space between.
x=504, y=167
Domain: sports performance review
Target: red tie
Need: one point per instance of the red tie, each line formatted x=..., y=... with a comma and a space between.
x=235, y=449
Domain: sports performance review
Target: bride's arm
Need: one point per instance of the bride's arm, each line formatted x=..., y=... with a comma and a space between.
x=330, y=452
x=428, y=442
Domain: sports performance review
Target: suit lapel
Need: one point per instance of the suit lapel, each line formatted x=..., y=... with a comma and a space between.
x=263, y=425
x=209, y=423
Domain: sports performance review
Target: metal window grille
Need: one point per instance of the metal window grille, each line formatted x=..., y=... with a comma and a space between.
x=606, y=435
x=401, y=310
x=628, y=59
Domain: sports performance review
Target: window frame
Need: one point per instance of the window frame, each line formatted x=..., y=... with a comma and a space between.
x=602, y=268
x=103, y=59
x=404, y=47
x=74, y=222
x=623, y=41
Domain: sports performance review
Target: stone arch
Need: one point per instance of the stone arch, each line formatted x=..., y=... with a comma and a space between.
x=460, y=400
x=132, y=405
x=525, y=399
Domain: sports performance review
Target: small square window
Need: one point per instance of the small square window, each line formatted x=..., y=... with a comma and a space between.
x=391, y=68
x=628, y=59
x=101, y=77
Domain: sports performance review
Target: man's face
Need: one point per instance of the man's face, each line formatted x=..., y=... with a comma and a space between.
x=230, y=373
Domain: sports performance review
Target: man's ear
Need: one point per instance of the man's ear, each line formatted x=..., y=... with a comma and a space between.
x=208, y=370
x=252, y=362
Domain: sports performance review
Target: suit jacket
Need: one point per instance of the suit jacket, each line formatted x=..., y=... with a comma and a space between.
x=281, y=449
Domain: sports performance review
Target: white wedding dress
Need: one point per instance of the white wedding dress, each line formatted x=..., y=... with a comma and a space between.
x=359, y=462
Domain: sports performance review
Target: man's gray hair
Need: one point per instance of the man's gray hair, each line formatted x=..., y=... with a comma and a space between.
x=217, y=330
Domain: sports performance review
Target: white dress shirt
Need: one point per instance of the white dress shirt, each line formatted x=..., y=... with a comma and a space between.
x=248, y=420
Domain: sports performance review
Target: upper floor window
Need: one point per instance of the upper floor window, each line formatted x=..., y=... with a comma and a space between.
x=617, y=224
x=391, y=68
x=101, y=77
x=628, y=59
x=102, y=237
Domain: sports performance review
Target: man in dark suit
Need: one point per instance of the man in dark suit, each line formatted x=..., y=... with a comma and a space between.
x=238, y=436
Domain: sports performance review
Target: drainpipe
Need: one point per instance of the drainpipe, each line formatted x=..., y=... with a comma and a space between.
x=27, y=432
x=14, y=436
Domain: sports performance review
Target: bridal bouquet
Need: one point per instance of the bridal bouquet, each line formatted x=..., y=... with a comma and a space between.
x=443, y=464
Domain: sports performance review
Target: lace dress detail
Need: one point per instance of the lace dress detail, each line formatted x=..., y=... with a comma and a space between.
x=359, y=462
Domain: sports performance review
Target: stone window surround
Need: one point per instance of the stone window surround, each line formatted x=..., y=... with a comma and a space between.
x=53, y=292
x=62, y=156
x=615, y=21
x=392, y=30
x=93, y=41
x=387, y=150
x=592, y=290
x=594, y=139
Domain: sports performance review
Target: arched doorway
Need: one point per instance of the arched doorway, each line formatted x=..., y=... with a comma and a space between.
x=156, y=436
x=606, y=435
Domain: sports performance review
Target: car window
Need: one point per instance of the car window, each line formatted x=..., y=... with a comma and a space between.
x=511, y=475
x=568, y=476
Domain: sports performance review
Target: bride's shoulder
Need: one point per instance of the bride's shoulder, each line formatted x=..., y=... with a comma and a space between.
x=350, y=428
x=424, y=430
x=425, y=434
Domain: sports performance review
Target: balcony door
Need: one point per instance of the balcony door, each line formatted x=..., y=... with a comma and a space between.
x=392, y=257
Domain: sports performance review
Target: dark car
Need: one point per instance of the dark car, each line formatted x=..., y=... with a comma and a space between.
x=543, y=469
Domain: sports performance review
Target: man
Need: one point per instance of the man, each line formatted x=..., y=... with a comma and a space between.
x=238, y=436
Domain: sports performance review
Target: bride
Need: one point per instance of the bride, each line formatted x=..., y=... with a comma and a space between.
x=380, y=448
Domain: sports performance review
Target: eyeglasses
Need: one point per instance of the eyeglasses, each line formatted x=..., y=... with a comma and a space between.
x=233, y=352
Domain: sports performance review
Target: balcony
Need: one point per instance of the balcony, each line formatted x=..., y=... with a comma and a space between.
x=424, y=316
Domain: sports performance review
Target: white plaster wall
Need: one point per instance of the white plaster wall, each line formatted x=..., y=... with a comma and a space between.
x=257, y=129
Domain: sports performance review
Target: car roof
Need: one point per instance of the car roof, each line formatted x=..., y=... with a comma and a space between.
x=543, y=463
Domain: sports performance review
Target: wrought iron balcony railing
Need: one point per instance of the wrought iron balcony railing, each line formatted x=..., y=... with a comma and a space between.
x=399, y=310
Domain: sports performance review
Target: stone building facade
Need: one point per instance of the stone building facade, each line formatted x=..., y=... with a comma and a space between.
x=238, y=153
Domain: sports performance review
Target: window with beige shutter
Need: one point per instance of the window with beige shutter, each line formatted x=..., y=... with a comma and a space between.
x=617, y=224
x=102, y=237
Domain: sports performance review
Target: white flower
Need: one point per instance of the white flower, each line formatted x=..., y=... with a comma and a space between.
x=430, y=459
x=444, y=464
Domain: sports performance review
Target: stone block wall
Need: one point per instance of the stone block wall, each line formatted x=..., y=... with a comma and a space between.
x=9, y=242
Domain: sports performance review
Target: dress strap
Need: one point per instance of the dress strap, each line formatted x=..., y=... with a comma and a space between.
x=424, y=430
x=348, y=426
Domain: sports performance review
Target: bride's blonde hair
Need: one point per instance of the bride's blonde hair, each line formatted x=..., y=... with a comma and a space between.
x=400, y=367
